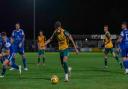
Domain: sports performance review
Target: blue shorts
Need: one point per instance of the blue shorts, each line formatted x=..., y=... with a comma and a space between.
x=19, y=50
x=124, y=52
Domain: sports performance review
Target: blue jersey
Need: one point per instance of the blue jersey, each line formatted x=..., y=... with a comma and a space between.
x=124, y=42
x=6, y=45
x=18, y=36
x=0, y=41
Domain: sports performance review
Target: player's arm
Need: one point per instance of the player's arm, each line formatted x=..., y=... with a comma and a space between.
x=50, y=39
x=45, y=41
x=71, y=39
x=23, y=39
x=120, y=37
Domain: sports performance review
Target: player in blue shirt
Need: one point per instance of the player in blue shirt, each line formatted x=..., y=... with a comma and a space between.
x=124, y=45
x=6, y=55
x=19, y=37
x=1, y=48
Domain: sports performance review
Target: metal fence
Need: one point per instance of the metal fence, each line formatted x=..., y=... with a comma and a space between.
x=83, y=41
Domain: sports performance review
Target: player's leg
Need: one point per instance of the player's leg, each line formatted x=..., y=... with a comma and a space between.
x=12, y=58
x=125, y=60
x=43, y=56
x=65, y=68
x=61, y=59
x=12, y=63
x=24, y=62
x=4, y=66
x=1, y=58
x=106, y=51
x=39, y=56
x=65, y=64
x=15, y=66
x=116, y=57
x=21, y=52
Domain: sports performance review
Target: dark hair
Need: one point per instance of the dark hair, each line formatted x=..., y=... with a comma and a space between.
x=105, y=25
x=3, y=34
x=124, y=23
x=18, y=23
x=41, y=31
x=57, y=24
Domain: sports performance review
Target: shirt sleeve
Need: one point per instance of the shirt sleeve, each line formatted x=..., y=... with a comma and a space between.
x=22, y=33
x=122, y=34
x=7, y=45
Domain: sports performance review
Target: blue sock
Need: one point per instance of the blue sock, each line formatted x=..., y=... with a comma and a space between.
x=15, y=66
x=125, y=63
x=1, y=60
x=3, y=70
x=13, y=60
x=24, y=62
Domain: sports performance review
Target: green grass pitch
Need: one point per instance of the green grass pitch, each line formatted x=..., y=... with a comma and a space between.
x=87, y=73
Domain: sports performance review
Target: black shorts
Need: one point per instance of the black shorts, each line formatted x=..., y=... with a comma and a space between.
x=107, y=50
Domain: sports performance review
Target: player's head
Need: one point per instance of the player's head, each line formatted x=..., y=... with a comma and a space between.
x=41, y=33
x=17, y=25
x=124, y=25
x=57, y=24
x=105, y=28
x=3, y=35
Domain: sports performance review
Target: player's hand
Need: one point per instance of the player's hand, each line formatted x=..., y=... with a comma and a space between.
x=20, y=45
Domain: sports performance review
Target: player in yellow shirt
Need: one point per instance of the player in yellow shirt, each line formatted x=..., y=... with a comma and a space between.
x=63, y=38
x=41, y=46
x=109, y=47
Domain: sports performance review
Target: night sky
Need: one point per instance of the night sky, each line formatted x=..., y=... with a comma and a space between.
x=77, y=16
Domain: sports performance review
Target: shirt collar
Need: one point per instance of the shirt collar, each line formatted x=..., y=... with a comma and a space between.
x=125, y=29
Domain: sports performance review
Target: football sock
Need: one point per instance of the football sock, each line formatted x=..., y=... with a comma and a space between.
x=105, y=61
x=1, y=60
x=61, y=59
x=43, y=59
x=65, y=67
x=13, y=60
x=38, y=59
x=3, y=70
x=24, y=62
x=125, y=63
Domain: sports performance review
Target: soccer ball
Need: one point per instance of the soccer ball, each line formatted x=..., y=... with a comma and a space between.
x=54, y=79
